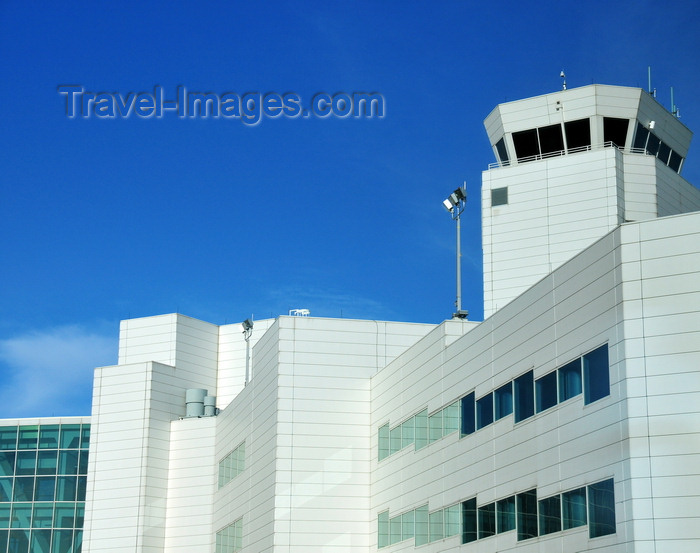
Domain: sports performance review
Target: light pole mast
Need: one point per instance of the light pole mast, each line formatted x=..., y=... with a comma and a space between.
x=455, y=204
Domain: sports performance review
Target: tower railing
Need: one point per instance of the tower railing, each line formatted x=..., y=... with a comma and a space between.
x=548, y=155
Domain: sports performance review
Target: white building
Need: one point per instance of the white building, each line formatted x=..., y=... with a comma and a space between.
x=567, y=421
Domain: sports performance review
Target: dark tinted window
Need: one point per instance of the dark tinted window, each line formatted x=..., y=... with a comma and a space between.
x=653, y=144
x=523, y=397
x=551, y=139
x=502, y=152
x=664, y=153
x=469, y=520
x=527, y=515
x=468, y=414
x=675, y=161
x=499, y=196
x=578, y=133
x=615, y=130
x=640, y=137
x=525, y=143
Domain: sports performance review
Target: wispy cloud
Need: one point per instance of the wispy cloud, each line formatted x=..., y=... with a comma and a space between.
x=49, y=372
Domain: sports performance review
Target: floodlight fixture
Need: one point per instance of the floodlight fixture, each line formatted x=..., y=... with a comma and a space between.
x=455, y=204
x=247, y=333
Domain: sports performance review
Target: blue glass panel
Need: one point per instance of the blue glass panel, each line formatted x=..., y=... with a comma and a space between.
x=8, y=437
x=19, y=541
x=62, y=541
x=7, y=463
x=4, y=534
x=79, y=515
x=467, y=408
x=469, y=521
x=526, y=514
x=524, y=396
x=484, y=411
x=550, y=515
x=546, y=391
x=5, y=510
x=487, y=520
x=45, y=488
x=68, y=462
x=28, y=437
x=66, y=488
x=26, y=463
x=601, y=508
x=24, y=489
x=570, y=380
x=573, y=506
x=503, y=401
x=505, y=512
x=64, y=516
x=70, y=436
x=43, y=515
x=21, y=515
x=48, y=436
x=46, y=462
x=85, y=437
x=82, y=488
x=596, y=373
x=5, y=490
x=41, y=541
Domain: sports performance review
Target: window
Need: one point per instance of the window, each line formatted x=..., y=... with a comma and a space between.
x=383, y=529
x=526, y=145
x=675, y=161
x=523, y=396
x=435, y=426
x=505, y=512
x=394, y=440
x=664, y=152
x=468, y=414
x=395, y=524
x=421, y=525
x=484, y=411
x=230, y=539
x=232, y=465
x=653, y=144
x=546, y=391
x=503, y=401
x=487, y=520
x=436, y=526
x=468, y=520
x=550, y=515
x=450, y=418
x=383, y=442
x=570, y=380
x=526, y=504
x=499, y=196
x=640, y=137
x=601, y=509
x=596, y=374
x=551, y=139
x=502, y=152
x=408, y=521
x=578, y=133
x=421, y=424
x=408, y=432
x=8, y=437
x=452, y=520
x=573, y=507
x=615, y=131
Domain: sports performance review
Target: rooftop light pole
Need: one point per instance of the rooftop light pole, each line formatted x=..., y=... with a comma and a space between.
x=247, y=332
x=455, y=204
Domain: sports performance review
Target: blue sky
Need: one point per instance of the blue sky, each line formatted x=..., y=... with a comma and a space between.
x=107, y=219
